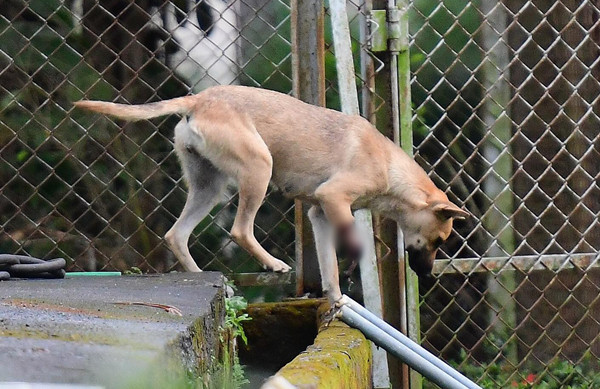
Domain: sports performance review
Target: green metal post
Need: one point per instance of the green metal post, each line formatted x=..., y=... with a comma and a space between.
x=406, y=142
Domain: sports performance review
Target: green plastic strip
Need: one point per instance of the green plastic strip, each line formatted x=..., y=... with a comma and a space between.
x=92, y=274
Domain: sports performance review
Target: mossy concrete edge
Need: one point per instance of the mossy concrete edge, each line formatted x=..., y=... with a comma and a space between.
x=340, y=357
x=91, y=332
x=200, y=357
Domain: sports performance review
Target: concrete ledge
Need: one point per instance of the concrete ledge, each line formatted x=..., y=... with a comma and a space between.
x=339, y=358
x=87, y=331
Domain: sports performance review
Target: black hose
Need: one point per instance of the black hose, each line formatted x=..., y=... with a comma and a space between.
x=23, y=266
x=8, y=259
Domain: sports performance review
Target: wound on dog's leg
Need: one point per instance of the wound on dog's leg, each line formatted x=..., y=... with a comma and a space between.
x=350, y=246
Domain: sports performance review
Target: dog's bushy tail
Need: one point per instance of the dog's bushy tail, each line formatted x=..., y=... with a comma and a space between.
x=141, y=111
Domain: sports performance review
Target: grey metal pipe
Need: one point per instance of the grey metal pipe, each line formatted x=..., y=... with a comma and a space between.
x=407, y=342
x=401, y=351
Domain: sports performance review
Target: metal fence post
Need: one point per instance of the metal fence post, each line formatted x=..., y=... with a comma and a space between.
x=349, y=99
x=398, y=14
x=308, y=78
x=391, y=264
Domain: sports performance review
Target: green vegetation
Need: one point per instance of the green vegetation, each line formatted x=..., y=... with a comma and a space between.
x=234, y=306
x=233, y=316
x=558, y=374
x=134, y=270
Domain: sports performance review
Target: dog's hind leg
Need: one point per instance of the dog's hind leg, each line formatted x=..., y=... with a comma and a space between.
x=205, y=184
x=325, y=243
x=253, y=188
x=252, y=165
x=235, y=147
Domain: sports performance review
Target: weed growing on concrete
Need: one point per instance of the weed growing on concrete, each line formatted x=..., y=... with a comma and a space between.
x=234, y=318
x=133, y=271
x=234, y=306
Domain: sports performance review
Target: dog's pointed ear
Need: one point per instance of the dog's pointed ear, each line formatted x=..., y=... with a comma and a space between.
x=419, y=204
x=416, y=199
x=449, y=210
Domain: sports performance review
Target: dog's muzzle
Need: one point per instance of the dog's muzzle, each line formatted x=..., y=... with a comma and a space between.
x=421, y=261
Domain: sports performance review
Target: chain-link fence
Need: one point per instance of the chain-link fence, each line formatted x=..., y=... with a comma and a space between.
x=505, y=119
x=100, y=192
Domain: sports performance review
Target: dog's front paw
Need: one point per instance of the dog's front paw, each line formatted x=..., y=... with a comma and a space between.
x=278, y=266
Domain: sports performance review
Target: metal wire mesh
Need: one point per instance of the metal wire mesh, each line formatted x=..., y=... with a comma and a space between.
x=101, y=192
x=506, y=120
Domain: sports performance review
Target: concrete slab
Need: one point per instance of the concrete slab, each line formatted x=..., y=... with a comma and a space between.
x=87, y=331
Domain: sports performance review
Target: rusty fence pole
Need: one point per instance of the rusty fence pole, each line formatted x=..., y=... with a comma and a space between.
x=308, y=77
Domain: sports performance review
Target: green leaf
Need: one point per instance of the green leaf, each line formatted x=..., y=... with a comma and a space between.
x=23, y=155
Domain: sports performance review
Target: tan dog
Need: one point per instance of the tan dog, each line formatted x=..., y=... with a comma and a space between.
x=335, y=161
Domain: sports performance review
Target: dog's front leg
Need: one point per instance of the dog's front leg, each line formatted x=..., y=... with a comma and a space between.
x=336, y=202
x=325, y=243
